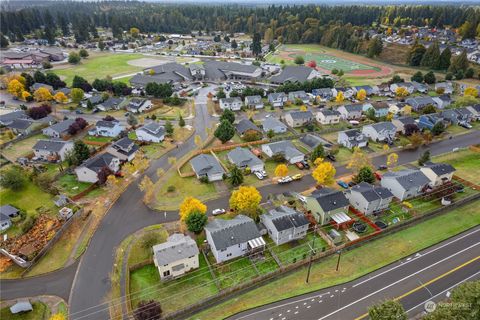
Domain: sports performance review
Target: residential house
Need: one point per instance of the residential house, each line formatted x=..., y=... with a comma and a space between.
x=7, y=118
x=295, y=74
x=9, y=211
x=475, y=111
x=351, y=111
x=58, y=130
x=401, y=122
x=369, y=199
x=444, y=100
x=313, y=141
x=418, y=103
x=297, y=119
x=207, y=166
x=328, y=116
x=326, y=94
x=407, y=85
x=273, y=124
x=420, y=87
x=353, y=138
x=254, y=102
x=326, y=205
x=93, y=100
x=438, y=173
x=139, y=105
x=5, y=222
x=444, y=87
x=107, y=128
x=285, y=224
x=52, y=150
x=21, y=126
x=277, y=99
x=38, y=85
x=124, y=149
x=151, y=132
x=370, y=90
x=405, y=184
x=243, y=158
x=234, y=104
x=381, y=108
x=348, y=93
x=88, y=171
x=298, y=95
x=229, y=239
x=285, y=148
x=112, y=103
x=428, y=121
x=245, y=125
x=176, y=256
x=381, y=131
x=457, y=115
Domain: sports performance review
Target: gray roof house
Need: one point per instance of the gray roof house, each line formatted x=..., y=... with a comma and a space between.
x=7, y=118
x=285, y=224
x=234, y=104
x=222, y=70
x=301, y=95
x=381, y=131
x=418, y=103
x=457, y=115
x=107, y=128
x=254, y=102
x=5, y=222
x=89, y=170
x=58, y=130
x=205, y=165
x=326, y=205
x=352, y=138
x=151, y=132
x=38, y=85
x=295, y=74
x=405, y=184
x=229, y=239
x=299, y=118
x=401, y=122
x=110, y=104
x=351, y=111
x=243, y=158
x=9, y=211
x=313, y=141
x=245, y=125
x=368, y=198
x=446, y=86
x=328, y=116
x=138, y=105
x=273, y=124
x=438, y=173
x=277, y=99
x=171, y=73
x=420, y=87
x=475, y=111
x=176, y=256
x=124, y=149
x=52, y=149
x=21, y=126
x=285, y=148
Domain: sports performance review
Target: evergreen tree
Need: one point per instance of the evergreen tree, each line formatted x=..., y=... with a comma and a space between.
x=431, y=58
x=256, y=45
x=318, y=152
x=80, y=152
x=438, y=128
x=375, y=47
x=424, y=158
x=234, y=44
x=415, y=55
x=228, y=115
x=225, y=131
x=168, y=128
x=365, y=174
x=418, y=77
x=459, y=62
x=39, y=77
x=444, y=59
x=181, y=122
x=429, y=77
x=469, y=73
x=196, y=221
x=236, y=176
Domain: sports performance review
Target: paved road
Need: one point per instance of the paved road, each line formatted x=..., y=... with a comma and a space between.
x=129, y=214
x=426, y=275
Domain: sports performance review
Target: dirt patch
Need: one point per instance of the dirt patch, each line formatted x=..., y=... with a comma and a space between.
x=147, y=62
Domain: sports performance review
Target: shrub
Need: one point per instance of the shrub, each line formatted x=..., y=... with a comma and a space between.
x=171, y=188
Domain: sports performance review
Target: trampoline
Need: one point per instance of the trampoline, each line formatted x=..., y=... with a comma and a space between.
x=359, y=227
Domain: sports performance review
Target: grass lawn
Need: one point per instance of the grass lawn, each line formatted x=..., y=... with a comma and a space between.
x=69, y=184
x=234, y=272
x=298, y=250
x=141, y=249
x=467, y=163
x=175, y=294
x=267, y=265
x=355, y=263
x=40, y=312
x=100, y=67
x=97, y=139
x=343, y=155
x=22, y=148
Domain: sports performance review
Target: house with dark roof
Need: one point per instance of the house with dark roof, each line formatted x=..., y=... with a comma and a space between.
x=171, y=73
x=475, y=111
x=107, y=128
x=297, y=119
x=295, y=74
x=285, y=224
x=58, y=130
x=52, y=150
x=273, y=124
x=5, y=222
x=285, y=148
x=446, y=87
x=352, y=138
x=300, y=95
x=245, y=125
x=381, y=131
x=326, y=205
x=124, y=149
x=457, y=115
x=401, y=122
x=151, y=132
x=370, y=90
x=369, y=199
x=254, y=102
x=207, y=166
x=428, y=121
x=21, y=126
x=7, y=118
x=325, y=94
x=88, y=171
x=328, y=116
x=418, y=103
x=405, y=184
x=222, y=70
x=351, y=111
x=229, y=239
x=243, y=158
x=234, y=104
x=420, y=87
x=112, y=103
x=176, y=256
x=139, y=105
x=277, y=99
x=6, y=213
x=381, y=108
x=438, y=173
x=93, y=100
x=313, y=141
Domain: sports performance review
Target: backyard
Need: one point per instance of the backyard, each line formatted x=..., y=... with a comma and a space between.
x=22, y=148
x=466, y=162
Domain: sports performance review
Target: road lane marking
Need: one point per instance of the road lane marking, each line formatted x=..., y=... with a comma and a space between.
x=427, y=283
x=412, y=260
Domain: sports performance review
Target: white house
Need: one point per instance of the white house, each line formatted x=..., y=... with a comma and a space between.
x=405, y=184
x=352, y=138
x=89, y=170
x=381, y=131
x=124, y=149
x=285, y=148
x=52, y=149
x=368, y=198
x=438, y=173
x=328, y=116
x=151, y=132
x=300, y=95
x=351, y=111
x=234, y=104
x=285, y=224
x=176, y=256
x=107, y=128
x=58, y=130
x=254, y=102
x=273, y=124
x=139, y=105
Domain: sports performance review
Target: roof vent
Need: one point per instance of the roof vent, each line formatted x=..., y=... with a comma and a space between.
x=231, y=237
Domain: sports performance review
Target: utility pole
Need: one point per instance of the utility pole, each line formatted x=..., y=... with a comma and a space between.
x=338, y=261
x=312, y=252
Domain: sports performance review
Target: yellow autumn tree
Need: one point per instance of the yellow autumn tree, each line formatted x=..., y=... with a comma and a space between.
x=281, y=170
x=147, y=187
x=361, y=94
x=60, y=97
x=42, y=94
x=57, y=316
x=407, y=110
x=386, y=147
x=25, y=95
x=389, y=116
x=392, y=160
x=324, y=173
x=189, y=205
x=246, y=199
x=471, y=91
x=134, y=32
x=401, y=92
x=15, y=88
x=340, y=97
x=358, y=160
x=303, y=108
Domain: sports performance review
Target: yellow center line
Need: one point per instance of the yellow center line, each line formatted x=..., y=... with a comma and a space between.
x=427, y=283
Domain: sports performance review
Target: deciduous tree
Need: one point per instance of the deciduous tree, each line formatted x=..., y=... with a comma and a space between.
x=387, y=310
x=60, y=97
x=324, y=172
x=77, y=95
x=74, y=57
x=15, y=88
x=246, y=199
x=358, y=160
x=392, y=160
x=361, y=94
x=318, y=152
x=340, y=97
x=42, y=94
x=471, y=91
x=425, y=157
x=147, y=186
x=189, y=205
x=281, y=170
x=401, y=92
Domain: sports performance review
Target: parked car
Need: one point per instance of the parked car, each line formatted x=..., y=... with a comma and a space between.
x=217, y=212
x=286, y=179
x=331, y=157
x=305, y=164
x=299, y=165
x=466, y=125
x=352, y=183
x=264, y=173
x=377, y=175
x=78, y=111
x=127, y=114
x=342, y=184
x=298, y=176
x=382, y=167
x=259, y=175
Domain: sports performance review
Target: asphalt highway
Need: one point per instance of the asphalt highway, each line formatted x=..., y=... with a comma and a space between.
x=414, y=280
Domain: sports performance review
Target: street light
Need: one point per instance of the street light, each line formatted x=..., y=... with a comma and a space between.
x=338, y=261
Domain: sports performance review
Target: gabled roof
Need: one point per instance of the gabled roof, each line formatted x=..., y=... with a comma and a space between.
x=253, y=99
x=8, y=210
x=440, y=168
x=352, y=133
x=276, y=95
x=99, y=161
x=354, y=107
x=293, y=74
x=371, y=192
x=220, y=69
x=406, y=120
x=408, y=178
x=112, y=102
x=381, y=126
x=313, y=141
x=62, y=126
x=244, y=125
x=243, y=157
x=20, y=124
x=177, y=247
x=301, y=115
x=227, y=233
x=125, y=146
x=231, y=100
x=154, y=129
x=107, y=124
x=50, y=145
x=272, y=123
x=206, y=164
x=284, y=218
x=329, y=112
x=284, y=147
x=7, y=118
x=330, y=199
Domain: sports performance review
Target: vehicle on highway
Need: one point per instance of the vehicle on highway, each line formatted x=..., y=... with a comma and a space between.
x=342, y=184
x=300, y=165
x=218, y=211
x=258, y=175
x=298, y=176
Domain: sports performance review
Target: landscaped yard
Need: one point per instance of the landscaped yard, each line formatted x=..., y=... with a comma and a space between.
x=40, y=312
x=467, y=163
x=354, y=263
x=233, y=272
x=297, y=250
x=88, y=138
x=22, y=148
x=141, y=248
x=69, y=185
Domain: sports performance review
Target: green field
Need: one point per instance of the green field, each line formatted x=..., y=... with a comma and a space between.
x=100, y=67
x=466, y=162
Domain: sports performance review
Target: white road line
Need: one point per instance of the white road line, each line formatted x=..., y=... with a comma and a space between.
x=398, y=281
x=440, y=293
x=412, y=260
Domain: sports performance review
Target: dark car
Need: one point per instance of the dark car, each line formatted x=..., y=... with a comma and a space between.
x=382, y=167
x=305, y=164
x=78, y=111
x=331, y=157
x=351, y=184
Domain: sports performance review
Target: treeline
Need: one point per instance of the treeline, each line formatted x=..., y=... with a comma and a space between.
x=335, y=26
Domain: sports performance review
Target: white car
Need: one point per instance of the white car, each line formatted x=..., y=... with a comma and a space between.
x=264, y=173
x=259, y=175
x=217, y=212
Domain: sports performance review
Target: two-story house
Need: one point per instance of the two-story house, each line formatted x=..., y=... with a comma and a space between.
x=107, y=128
x=352, y=138
x=254, y=102
x=52, y=150
x=277, y=99
x=405, y=184
x=284, y=224
x=234, y=104
x=88, y=171
x=381, y=131
x=297, y=119
x=124, y=149
x=298, y=95
x=368, y=198
x=328, y=116
x=326, y=205
x=438, y=173
x=351, y=111
x=151, y=132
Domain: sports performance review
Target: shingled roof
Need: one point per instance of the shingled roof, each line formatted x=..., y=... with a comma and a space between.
x=227, y=233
